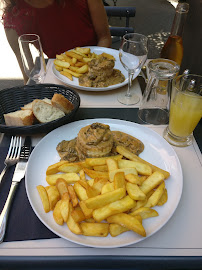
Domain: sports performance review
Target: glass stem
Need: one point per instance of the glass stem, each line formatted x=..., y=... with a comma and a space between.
x=130, y=76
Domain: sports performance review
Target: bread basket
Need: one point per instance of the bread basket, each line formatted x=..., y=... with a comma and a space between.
x=12, y=99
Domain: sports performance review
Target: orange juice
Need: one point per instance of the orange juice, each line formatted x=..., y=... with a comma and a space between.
x=185, y=113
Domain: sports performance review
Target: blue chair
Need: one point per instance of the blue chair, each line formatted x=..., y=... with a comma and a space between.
x=121, y=12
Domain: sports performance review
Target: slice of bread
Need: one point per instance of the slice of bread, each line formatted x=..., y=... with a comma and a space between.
x=45, y=112
x=29, y=105
x=19, y=118
x=62, y=103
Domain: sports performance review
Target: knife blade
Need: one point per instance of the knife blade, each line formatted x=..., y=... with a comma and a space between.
x=18, y=175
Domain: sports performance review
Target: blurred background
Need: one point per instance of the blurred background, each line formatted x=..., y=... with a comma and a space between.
x=153, y=18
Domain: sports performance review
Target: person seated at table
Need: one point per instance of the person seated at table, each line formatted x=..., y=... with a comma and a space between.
x=61, y=24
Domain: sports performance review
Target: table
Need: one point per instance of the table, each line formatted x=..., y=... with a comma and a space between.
x=177, y=245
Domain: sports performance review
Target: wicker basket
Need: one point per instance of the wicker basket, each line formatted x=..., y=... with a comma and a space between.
x=12, y=99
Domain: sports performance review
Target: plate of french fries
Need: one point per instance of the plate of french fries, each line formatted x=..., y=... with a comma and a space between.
x=105, y=202
x=70, y=65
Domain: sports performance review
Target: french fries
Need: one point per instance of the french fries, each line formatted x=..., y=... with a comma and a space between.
x=74, y=63
x=119, y=195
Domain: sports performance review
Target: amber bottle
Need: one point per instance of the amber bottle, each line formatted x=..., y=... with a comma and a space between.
x=173, y=48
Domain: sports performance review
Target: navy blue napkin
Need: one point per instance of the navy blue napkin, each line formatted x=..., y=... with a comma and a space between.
x=22, y=223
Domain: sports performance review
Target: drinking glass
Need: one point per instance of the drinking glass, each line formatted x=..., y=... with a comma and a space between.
x=185, y=109
x=133, y=54
x=32, y=57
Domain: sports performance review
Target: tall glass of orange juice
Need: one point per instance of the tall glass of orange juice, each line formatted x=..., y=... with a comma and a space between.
x=185, y=109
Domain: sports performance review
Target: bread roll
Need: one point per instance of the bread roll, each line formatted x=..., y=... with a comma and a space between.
x=62, y=103
x=19, y=118
x=45, y=112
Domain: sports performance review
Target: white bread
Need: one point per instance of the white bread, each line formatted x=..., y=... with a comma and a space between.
x=19, y=118
x=29, y=105
x=45, y=112
x=62, y=103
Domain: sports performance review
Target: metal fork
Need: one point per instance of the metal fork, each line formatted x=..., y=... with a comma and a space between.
x=13, y=154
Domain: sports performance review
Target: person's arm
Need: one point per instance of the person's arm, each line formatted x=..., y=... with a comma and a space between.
x=12, y=38
x=100, y=22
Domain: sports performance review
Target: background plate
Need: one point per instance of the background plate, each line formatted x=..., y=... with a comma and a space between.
x=97, y=50
x=157, y=151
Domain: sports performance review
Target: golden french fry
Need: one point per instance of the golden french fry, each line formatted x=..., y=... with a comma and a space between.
x=73, y=68
x=101, y=168
x=109, y=56
x=53, y=169
x=57, y=213
x=44, y=198
x=155, y=197
x=83, y=69
x=83, y=50
x=53, y=195
x=129, y=222
x=62, y=64
x=73, y=196
x=79, y=64
x=78, y=214
x=72, y=225
x=116, y=229
x=58, y=68
x=145, y=212
x=62, y=187
x=78, y=52
x=118, y=206
x=152, y=181
x=141, y=168
x=163, y=198
x=98, y=183
x=134, y=179
x=66, y=74
x=125, y=170
x=70, y=178
x=86, y=60
x=80, y=192
x=95, y=229
x=101, y=161
x=75, y=74
x=60, y=57
x=91, y=191
x=64, y=207
x=82, y=175
x=135, y=192
x=107, y=187
x=87, y=212
x=90, y=182
x=106, y=198
x=119, y=180
x=112, y=164
x=70, y=168
x=96, y=174
x=126, y=153
x=74, y=55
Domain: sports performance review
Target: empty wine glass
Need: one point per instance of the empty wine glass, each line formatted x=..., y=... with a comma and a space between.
x=32, y=57
x=133, y=54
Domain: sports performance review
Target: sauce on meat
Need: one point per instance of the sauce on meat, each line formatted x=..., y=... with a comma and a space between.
x=101, y=74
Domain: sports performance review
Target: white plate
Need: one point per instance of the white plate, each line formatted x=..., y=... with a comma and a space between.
x=157, y=151
x=97, y=50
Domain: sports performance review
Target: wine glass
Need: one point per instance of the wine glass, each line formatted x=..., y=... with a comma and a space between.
x=133, y=54
x=32, y=57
